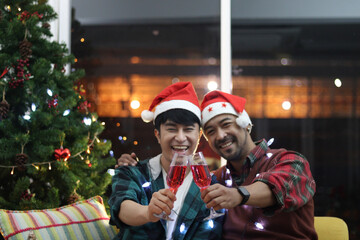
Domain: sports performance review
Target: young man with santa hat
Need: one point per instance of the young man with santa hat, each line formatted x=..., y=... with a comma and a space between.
x=272, y=192
x=140, y=194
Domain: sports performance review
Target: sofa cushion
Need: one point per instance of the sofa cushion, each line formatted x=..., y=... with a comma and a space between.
x=85, y=219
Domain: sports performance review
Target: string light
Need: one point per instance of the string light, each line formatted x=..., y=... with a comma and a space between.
x=88, y=150
x=259, y=226
x=182, y=228
x=35, y=166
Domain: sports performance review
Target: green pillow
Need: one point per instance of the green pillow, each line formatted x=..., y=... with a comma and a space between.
x=85, y=219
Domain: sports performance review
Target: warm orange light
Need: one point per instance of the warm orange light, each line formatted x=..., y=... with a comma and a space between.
x=135, y=60
x=82, y=39
x=136, y=143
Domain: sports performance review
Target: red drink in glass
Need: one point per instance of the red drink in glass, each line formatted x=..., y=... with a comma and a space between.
x=201, y=175
x=175, y=177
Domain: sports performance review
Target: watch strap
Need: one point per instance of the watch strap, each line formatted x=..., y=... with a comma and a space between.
x=244, y=193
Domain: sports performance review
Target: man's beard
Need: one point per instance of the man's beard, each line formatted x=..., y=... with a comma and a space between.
x=236, y=156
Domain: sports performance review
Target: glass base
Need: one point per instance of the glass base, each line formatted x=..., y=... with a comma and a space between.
x=213, y=214
x=163, y=216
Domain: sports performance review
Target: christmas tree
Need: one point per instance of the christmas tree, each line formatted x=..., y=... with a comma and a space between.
x=50, y=151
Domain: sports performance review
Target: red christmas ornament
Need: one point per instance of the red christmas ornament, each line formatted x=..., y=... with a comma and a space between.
x=62, y=154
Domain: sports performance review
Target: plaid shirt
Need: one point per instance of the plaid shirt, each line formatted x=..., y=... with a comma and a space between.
x=288, y=175
x=132, y=183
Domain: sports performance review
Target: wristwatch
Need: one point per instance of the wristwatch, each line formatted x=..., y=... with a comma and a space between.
x=245, y=195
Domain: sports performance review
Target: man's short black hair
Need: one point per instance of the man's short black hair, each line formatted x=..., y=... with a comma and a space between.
x=179, y=116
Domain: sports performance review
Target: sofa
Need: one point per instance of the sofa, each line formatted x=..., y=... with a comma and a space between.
x=86, y=219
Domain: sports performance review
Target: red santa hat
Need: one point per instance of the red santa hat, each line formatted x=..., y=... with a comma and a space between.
x=218, y=102
x=180, y=95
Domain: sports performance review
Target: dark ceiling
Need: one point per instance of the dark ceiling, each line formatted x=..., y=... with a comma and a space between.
x=329, y=45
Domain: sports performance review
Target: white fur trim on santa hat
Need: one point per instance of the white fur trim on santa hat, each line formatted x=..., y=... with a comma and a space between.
x=215, y=109
x=177, y=104
x=148, y=116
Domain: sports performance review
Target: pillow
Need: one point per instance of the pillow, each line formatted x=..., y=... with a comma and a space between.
x=85, y=219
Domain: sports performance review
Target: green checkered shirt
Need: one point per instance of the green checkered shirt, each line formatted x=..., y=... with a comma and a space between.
x=136, y=184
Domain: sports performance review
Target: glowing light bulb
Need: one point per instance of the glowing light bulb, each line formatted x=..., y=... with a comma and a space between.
x=211, y=223
x=33, y=107
x=66, y=112
x=286, y=105
x=182, y=227
x=259, y=226
x=271, y=140
x=111, y=171
x=338, y=82
x=49, y=92
x=212, y=85
x=12, y=171
x=49, y=166
x=87, y=121
x=135, y=104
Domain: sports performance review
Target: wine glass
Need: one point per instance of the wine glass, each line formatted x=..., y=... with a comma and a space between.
x=202, y=178
x=175, y=178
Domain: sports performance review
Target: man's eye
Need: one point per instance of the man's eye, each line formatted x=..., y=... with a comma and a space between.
x=227, y=124
x=209, y=132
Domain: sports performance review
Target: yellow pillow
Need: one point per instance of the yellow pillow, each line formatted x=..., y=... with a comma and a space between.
x=85, y=219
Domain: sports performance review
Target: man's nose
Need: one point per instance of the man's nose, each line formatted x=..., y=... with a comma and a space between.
x=220, y=134
x=180, y=136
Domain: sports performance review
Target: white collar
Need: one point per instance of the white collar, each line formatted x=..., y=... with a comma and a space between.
x=155, y=166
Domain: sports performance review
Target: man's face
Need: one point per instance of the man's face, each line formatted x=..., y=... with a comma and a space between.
x=225, y=136
x=174, y=137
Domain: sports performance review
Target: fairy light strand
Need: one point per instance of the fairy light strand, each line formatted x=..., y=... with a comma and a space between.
x=37, y=165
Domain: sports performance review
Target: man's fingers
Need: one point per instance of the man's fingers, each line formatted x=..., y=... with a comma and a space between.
x=126, y=160
x=162, y=201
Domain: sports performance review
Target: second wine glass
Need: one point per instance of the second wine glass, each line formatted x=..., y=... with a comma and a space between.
x=175, y=177
x=202, y=178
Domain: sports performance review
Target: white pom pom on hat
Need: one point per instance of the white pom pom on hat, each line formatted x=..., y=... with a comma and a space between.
x=147, y=116
x=244, y=121
x=180, y=95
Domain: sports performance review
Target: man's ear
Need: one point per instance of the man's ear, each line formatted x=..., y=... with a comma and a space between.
x=157, y=135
